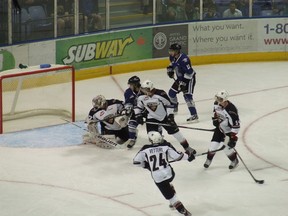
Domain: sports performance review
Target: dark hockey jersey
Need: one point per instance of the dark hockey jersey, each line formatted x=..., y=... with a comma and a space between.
x=182, y=67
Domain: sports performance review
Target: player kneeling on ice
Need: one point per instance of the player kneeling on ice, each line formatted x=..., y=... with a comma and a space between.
x=227, y=123
x=155, y=157
x=105, y=119
x=159, y=111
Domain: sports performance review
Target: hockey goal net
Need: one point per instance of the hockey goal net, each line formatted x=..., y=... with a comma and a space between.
x=35, y=97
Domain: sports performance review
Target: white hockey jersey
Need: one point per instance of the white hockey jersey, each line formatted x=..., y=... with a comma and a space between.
x=228, y=118
x=106, y=117
x=156, y=158
x=158, y=105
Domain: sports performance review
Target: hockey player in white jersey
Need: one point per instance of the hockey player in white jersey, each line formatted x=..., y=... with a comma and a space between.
x=104, y=118
x=159, y=110
x=227, y=123
x=155, y=157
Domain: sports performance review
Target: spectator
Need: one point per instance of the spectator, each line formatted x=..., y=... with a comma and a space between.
x=92, y=18
x=192, y=11
x=65, y=17
x=243, y=6
x=232, y=11
x=161, y=10
x=285, y=8
x=212, y=13
x=176, y=10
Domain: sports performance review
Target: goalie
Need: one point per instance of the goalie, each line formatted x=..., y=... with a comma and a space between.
x=105, y=119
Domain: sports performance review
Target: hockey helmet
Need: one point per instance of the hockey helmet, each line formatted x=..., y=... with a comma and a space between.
x=155, y=137
x=221, y=96
x=99, y=101
x=147, y=84
x=175, y=46
x=147, y=87
x=135, y=80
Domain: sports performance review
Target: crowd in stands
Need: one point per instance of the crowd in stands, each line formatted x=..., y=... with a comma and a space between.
x=40, y=25
x=186, y=10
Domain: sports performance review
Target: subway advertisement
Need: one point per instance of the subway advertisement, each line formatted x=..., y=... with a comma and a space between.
x=105, y=49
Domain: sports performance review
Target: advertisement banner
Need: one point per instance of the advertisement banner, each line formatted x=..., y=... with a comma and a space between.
x=273, y=34
x=219, y=37
x=164, y=36
x=105, y=49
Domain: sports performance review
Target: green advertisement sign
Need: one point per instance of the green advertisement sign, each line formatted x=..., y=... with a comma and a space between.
x=105, y=49
x=7, y=60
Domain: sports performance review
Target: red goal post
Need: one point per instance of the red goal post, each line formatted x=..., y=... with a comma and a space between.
x=36, y=97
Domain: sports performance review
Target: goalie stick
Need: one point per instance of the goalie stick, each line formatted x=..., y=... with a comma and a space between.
x=256, y=180
x=100, y=137
x=192, y=128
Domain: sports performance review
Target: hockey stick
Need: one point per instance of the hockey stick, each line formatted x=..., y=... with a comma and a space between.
x=205, y=153
x=256, y=180
x=192, y=128
x=102, y=138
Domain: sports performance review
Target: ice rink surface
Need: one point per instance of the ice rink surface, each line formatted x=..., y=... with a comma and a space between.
x=45, y=172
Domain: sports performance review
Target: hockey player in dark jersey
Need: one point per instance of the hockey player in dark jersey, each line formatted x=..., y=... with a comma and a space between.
x=184, y=82
x=159, y=111
x=130, y=96
x=227, y=123
x=102, y=118
x=154, y=157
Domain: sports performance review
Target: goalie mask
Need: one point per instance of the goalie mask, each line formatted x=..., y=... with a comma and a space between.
x=147, y=87
x=99, y=102
x=155, y=137
x=221, y=96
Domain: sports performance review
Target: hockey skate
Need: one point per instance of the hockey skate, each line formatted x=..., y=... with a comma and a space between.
x=131, y=143
x=186, y=212
x=233, y=164
x=193, y=119
x=207, y=163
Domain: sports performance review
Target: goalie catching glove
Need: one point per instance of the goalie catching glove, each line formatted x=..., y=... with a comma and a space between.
x=233, y=140
x=170, y=72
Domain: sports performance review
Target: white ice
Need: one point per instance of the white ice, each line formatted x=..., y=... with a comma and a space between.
x=45, y=172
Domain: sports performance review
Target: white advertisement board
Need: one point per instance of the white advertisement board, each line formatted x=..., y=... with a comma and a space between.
x=238, y=36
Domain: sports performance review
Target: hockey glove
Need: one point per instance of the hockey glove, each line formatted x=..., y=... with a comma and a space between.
x=139, y=119
x=233, y=139
x=171, y=121
x=215, y=121
x=170, y=72
x=183, y=85
x=126, y=111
